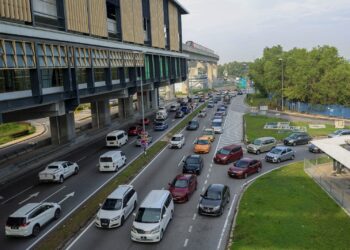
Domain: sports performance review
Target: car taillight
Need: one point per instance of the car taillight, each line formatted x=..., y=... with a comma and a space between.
x=24, y=224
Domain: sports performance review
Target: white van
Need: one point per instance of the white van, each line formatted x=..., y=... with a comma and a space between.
x=112, y=161
x=116, y=138
x=153, y=217
x=216, y=124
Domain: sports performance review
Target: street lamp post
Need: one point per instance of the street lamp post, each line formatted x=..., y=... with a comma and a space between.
x=282, y=80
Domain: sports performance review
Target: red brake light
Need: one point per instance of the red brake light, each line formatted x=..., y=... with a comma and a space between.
x=25, y=224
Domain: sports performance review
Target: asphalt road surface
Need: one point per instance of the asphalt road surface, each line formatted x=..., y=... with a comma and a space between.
x=27, y=189
x=187, y=229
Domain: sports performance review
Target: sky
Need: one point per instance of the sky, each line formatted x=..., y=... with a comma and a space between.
x=239, y=30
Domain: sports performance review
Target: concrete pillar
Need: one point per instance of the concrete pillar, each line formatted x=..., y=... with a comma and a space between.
x=62, y=128
x=125, y=107
x=147, y=100
x=210, y=75
x=100, y=114
x=154, y=99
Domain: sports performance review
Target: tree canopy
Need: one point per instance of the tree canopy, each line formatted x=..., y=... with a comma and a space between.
x=318, y=76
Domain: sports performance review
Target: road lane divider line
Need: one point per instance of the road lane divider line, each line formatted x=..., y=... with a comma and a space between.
x=194, y=216
x=82, y=158
x=209, y=170
x=186, y=242
x=31, y=196
x=208, y=176
x=203, y=188
x=16, y=195
x=226, y=222
x=206, y=181
x=190, y=229
x=59, y=190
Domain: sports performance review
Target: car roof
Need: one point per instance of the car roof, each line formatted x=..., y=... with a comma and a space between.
x=217, y=120
x=26, y=209
x=178, y=135
x=55, y=163
x=194, y=156
x=120, y=191
x=282, y=147
x=111, y=153
x=248, y=159
x=155, y=199
x=216, y=187
x=266, y=138
x=232, y=146
x=203, y=138
x=183, y=176
x=115, y=132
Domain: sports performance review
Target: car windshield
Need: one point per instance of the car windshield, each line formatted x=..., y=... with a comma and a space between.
x=293, y=136
x=159, y=124
x=15, y=221
x=176, y=138
x=208, y=132
x=106, y=159
x=148, y=215
x=257, y=142
x=218, y=114
x=241, y=164
x=202, y=142
x=180, y=183
x=276, y=151
x=212, y=195
x=52, y=167
x=192, y=161
x=224, y=151
x=112, y=204
x=216, y=124
x=111, y=138
x=192, y=123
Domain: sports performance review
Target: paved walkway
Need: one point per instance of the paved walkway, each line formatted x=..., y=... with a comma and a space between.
x=336, y=185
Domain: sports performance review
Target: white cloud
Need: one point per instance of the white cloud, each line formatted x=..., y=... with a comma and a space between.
x=239, y=30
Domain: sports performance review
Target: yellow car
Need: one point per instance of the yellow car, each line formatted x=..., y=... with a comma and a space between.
x=202, y=145
x=210, y=133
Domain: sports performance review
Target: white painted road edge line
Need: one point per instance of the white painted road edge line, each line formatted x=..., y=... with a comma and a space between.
x=190, y=229
x=194, y=216
x=59, y=190
x=226, y=222
x=186, y=242
x=12, y=197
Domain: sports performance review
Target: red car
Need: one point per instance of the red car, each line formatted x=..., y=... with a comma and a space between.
x=183, y=187
x=134, y=130
x=244, y=167
x=228, y=154
x=146, y=121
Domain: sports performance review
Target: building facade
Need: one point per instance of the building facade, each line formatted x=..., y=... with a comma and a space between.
x=57, y=54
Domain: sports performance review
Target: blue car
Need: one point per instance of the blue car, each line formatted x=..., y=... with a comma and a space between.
x=160, y=126
x=185, y=109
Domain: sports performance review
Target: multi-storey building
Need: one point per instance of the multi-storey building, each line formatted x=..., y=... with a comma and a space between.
x=56, y=54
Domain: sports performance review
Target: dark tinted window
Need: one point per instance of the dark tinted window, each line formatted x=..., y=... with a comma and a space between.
x=168, y=200
x=15, y=221
x=148, y=215
x=112, y=204
x=242, y=164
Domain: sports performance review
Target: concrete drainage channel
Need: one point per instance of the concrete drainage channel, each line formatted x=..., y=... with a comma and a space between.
x=59, y=235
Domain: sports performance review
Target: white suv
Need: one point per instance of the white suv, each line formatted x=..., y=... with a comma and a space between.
x=29, y=219
x=117, y=207
x=177, y=141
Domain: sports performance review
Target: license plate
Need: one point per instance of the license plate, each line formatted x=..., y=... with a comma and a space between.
x=143, y=238
x=14, y=227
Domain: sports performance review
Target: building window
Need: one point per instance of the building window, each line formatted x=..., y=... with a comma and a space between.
x=147, y=68
x=14, y=80
x=16, y=54
x=166, y=61
x=138, y=73
x=48, y=13
x=115, y=74
x=176, y=67
x=82, y=56
x=113, y=20
x=52, y=56
x=51, y=78
x=100, y=58
x=126, y=74
x=100, y=75
x=81, y=75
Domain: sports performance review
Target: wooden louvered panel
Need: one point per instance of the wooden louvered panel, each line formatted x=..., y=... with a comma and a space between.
x=15, y=9
x=161, y=35
x=127, y=20
x=153, y=4
x=98, y=18
x=77, y=15
x=173, y=27
x=138, y=22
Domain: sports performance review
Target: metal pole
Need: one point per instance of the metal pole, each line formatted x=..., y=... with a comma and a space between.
x=142, y=105
x=282, y=85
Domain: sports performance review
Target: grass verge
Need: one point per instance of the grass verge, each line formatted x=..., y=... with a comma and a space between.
x=12, y=131
x=79, y=219
x=255, y=127
x=286, y=209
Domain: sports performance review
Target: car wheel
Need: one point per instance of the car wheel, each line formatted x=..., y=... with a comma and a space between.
x=294, y=143
x=122, y=221
x=36, y=230
x=76, y=171
x=245, y=175
x=61, y=179
x=293, y=157
x=278, y=160
x=57, y=214
x=258, y=152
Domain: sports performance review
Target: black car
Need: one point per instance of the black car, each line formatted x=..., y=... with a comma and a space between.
x=210, y=104
x=297, y=138
x=193, y=164
x=192, y=125
x=214, y=200
x=179, y=114
x=314, y=149
x=239, y=92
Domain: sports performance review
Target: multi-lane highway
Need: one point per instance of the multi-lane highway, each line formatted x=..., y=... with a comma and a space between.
x=78, y=188
x=187, y=229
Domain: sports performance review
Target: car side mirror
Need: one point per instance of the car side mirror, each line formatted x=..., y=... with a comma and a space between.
x=134, y=214
x=202, y=195
x=100, y=204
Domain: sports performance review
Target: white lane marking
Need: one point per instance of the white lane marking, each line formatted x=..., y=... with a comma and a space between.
x=11, y=198
x=82, y=158
x=186, y=242
x=59, y=190
x=132, y=141
x=203, y=188
x=66, y=197
x=173, y=120
x=194, y=216
x=182, y=159
x=206, y=181
x=101, y=186
x=226, y=222
x=211, y=164
x=190, y=229
x=209, y=169
x=208, y=176
x=31, y=196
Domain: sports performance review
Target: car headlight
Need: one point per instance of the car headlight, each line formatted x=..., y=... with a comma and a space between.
x=116, y=218
x=291, y=141
x=216, y=208
x=200, y=205
x=155, y=230
x=133, y=229
x=97, y=217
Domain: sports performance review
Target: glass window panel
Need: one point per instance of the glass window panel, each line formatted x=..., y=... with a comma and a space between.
x=92, y=53
x=10, y=62
x=62, y=51
x=57, y=61
x=1, y=49
x=19, y=48
x=99, y=75
x=9, y=48
x=2, y=63
x=81, y=76
x=40, y=50
x=42, y=61
x=29, y=50
x=2, y=81
x=30, y=61
x=20, y=62
x=55, y=51
x=115, y=74
x=48, y=50
x=49, y=61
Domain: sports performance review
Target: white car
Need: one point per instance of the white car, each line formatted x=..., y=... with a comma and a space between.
x=117, y=207
x=174, y=107
x=29, y=219
x=177, y=141
x=58, y=171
